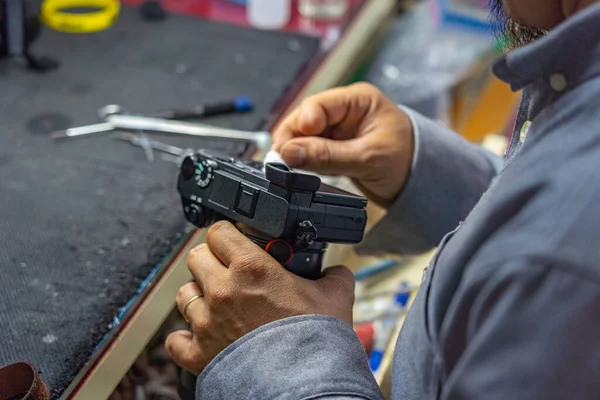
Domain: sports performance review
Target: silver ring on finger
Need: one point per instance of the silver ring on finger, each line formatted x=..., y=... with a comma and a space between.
x=185, y=308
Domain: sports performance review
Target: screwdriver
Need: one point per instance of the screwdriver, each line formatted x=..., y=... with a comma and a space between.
x=238, y=105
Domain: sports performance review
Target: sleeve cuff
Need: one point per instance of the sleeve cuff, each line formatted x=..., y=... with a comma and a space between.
x=299, y=357
x=449, y=176
x=413, y=120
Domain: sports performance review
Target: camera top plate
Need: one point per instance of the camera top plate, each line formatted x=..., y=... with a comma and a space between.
x=275, y=201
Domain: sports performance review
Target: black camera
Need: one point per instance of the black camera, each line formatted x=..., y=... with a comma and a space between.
x=293, y=216
x=20, y=26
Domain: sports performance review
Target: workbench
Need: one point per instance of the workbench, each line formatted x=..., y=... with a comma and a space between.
x=341, y=45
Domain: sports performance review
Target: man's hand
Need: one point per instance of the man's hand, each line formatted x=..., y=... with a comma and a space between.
x=354, y=131
x=242, y=288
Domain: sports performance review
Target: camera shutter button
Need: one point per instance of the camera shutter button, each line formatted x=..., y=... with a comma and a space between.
x=188, y=168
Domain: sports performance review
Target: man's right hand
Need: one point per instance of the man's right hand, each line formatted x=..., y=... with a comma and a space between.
x=353, y=131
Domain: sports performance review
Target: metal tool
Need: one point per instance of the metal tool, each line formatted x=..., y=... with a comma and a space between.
x=111, y=109
x=145, y=144
x=170, y=153
x=103, y=114
x=156, y=145
x=239, y=104
x=83, y=130
x=141, y=139
x=130, y=122
x=261, y=139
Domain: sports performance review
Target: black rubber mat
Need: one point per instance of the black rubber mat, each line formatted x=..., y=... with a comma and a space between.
x=84, y=222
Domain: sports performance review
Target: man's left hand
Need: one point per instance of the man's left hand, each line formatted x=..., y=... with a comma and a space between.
x=241, y=288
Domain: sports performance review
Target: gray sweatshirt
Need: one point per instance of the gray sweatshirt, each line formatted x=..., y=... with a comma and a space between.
x=510, y=305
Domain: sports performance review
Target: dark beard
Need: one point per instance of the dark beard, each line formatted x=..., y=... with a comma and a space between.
x=514, y=33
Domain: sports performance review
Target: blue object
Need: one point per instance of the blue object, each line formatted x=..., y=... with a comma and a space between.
x=384, y=328
x=243, y=103
x=374, y=269
x=450, y=14
x=402, y=298
x=375, y=359
x=238, y=1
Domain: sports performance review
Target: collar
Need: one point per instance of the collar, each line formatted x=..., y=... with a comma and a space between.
x=572, y=49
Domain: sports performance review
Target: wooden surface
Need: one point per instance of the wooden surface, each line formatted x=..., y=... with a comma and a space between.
x=106, y=373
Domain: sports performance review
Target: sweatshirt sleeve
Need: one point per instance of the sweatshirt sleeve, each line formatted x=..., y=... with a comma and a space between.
x=304, y=357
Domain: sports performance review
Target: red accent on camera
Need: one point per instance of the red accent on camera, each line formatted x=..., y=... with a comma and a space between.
x=287, y=245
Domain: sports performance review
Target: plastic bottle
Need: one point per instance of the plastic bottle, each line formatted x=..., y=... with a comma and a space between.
x=384, y=329
x=269, y=14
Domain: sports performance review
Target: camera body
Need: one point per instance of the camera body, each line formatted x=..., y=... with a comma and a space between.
x=292, y=215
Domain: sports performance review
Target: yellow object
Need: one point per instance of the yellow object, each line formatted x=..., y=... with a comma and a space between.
x=104, y=15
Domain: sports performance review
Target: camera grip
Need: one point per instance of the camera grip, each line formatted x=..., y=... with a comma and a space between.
x=306, y=263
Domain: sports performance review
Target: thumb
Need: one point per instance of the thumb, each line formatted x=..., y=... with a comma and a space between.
x=180, y=346
x=324, y=156
x=339, y=280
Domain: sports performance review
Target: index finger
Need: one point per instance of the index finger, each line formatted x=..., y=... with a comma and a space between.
x=206, y=268
x=286, y=130
x=230, y=245
x=316, y=113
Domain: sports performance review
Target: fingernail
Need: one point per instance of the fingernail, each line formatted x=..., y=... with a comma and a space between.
x=294, y=155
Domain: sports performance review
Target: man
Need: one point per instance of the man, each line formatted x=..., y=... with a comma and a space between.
x=510, y=306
